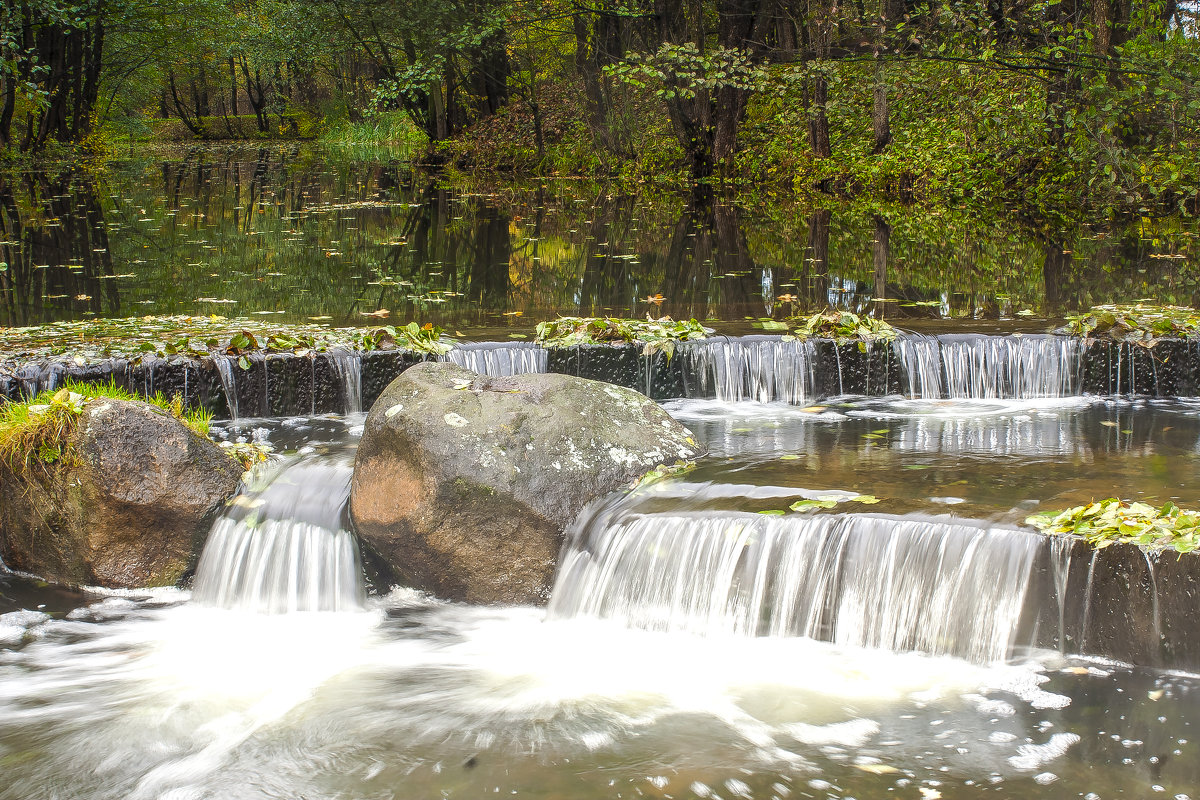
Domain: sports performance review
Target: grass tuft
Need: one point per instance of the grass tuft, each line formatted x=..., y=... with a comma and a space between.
x=35, y=434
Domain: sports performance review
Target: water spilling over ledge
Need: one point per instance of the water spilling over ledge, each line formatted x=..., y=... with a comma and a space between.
x=283, y=545
x=759, y=368
x=860, y=580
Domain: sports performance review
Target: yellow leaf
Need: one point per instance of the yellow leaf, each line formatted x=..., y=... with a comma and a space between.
x=877, y=769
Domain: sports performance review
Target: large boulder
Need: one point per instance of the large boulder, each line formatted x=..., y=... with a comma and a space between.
x=129, y=507
x=464, y=484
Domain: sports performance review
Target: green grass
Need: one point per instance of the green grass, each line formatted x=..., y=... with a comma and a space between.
x=390, y=129
x=35, y=434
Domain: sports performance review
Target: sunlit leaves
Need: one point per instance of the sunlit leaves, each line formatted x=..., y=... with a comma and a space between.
x=196, y=337
x=655, y=335
x=1135, y=323
x=844, y=326
x=1111, y=521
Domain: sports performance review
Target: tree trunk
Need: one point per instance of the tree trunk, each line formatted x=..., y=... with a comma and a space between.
x=233, y=89
x=879, y=251
x=818, y=122
x=817, y=259
x=880, y=112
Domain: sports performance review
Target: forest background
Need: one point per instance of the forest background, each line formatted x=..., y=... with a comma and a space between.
x=1065, y=107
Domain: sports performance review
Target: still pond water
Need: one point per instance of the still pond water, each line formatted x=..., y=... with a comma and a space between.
x=299, y=234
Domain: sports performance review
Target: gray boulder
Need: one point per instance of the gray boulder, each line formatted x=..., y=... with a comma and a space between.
x=464, y=484
x=130, y=509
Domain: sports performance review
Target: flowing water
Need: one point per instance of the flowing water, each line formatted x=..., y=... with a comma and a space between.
x=692, y=649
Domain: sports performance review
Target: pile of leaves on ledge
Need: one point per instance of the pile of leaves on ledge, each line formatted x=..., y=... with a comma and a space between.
x=1140, y=323
x=655, y=335
x=1112, y=521
x=842, y=327
x=196, y=337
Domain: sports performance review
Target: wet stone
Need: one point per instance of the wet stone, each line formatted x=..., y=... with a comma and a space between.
x=464, y=484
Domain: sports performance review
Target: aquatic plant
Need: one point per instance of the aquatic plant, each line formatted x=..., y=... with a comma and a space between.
x=1141, y=323
x=134, y=338
x=843, y=326
x=1112, y=521
x=36, y=433
x=655, y=335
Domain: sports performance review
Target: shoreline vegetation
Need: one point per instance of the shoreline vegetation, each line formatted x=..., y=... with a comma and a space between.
x=1059, y=108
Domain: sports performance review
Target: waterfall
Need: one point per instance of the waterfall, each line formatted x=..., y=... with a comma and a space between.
x=347, y=366
x=282, y=546
x=962, y=367
x=767, y=370
x=500, y=359
x=225, y=366
x=894, y=583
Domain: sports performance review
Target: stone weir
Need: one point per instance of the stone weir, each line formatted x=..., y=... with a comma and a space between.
x=757, y=368
x=1119, y=602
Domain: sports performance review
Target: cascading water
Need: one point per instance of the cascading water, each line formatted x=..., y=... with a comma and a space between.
x=972, y=367
x=765, y=370
x=865, y=580
x=347, y=366
x=282, y=547
x=500, y=360
x=225, y=366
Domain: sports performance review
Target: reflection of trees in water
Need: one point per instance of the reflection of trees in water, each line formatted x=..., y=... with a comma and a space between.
x=57, y=250
x=275, y=229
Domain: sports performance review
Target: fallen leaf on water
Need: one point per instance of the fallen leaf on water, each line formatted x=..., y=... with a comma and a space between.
x=513, y=314
x=877, y=769
x=1109, y=424
x=813, y=409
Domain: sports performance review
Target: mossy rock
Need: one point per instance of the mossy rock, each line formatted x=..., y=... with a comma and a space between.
x=128, y=507
x=463, y=484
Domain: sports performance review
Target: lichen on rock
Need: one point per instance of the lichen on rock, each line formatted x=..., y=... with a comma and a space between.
x=464, y=484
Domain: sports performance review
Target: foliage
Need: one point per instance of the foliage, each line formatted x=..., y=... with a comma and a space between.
x=655, y=335
x=844, y=326
x=1112, y=521
x=35, y=434
x=1144, y=324
x=831, y=501
x=682, y=70
x=196, y=337
x=664, y=471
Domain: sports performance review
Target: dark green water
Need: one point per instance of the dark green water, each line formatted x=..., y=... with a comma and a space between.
x=296, y=233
